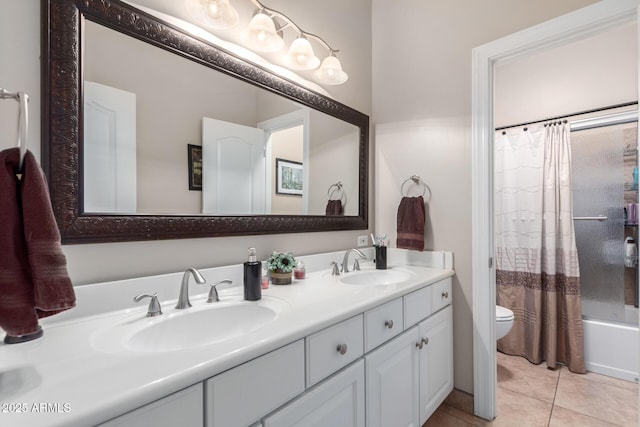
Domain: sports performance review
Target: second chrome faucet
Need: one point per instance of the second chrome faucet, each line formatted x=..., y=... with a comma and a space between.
x=345, y=260
x=183, y=298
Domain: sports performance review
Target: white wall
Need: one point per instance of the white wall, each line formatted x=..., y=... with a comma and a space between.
x=421, y=114
x=20, y=70
x=333, y=162
x=596, y=72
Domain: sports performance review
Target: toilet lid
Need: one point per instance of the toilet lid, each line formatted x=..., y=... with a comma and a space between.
x=503, y=313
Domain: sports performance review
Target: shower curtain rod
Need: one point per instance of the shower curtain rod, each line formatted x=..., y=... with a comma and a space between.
x=610, y=107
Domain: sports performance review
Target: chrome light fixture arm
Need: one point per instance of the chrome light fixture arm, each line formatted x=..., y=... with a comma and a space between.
x=288, y=22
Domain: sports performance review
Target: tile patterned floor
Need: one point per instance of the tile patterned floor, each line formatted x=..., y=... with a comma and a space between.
x=532, y=395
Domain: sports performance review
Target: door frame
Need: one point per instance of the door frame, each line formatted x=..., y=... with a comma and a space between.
x=556, y=32
x=286, y=121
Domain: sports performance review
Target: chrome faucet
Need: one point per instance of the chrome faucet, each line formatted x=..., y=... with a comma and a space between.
x=183, y=298
x=345, y=260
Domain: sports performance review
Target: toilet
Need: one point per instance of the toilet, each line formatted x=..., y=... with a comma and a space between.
x=504, y=321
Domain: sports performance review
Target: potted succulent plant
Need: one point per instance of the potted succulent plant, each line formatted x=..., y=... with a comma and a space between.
x=281, y=265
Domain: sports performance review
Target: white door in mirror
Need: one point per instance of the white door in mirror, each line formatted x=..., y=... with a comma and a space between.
x=109, y=149
x=233, y=168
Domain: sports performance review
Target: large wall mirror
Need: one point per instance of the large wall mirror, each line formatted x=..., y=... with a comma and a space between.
x=150, y=132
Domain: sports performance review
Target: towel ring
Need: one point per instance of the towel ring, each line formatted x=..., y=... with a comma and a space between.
x=338, y=188
x=417, y=181
x=23, y=120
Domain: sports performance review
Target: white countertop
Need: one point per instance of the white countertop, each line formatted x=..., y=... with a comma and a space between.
x=69, y=378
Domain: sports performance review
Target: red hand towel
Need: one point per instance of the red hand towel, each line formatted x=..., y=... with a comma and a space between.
x=53, y=291
x=17, y=314
x=32, y=266
x=410, y=223
x=334, y=208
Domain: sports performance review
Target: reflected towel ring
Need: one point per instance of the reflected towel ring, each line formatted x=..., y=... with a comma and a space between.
x=417, y=181
x=337, y=188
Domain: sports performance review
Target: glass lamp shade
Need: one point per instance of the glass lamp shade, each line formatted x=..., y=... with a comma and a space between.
x=261, y=35
x=213, y=13
x=330, y=72
x=301, y=55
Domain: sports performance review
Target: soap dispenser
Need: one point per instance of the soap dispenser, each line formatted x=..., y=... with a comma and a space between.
x=252, y=277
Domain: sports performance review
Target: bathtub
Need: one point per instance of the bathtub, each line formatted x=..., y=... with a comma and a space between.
x=612, y=348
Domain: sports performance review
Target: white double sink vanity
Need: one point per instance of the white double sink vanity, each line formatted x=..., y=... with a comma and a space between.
x=371, y=347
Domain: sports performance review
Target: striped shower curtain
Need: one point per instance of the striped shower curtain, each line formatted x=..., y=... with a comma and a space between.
x=537, y=271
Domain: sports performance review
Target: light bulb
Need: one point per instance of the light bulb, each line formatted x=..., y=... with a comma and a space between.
x=261, y=35
x=301, y=55
x=214, y=10
x=213, y=13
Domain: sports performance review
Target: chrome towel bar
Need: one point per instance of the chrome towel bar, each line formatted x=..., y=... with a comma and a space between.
x=590, y=218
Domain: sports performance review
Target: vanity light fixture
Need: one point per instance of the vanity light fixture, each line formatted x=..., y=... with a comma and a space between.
x=265, y=34
x=213, y=13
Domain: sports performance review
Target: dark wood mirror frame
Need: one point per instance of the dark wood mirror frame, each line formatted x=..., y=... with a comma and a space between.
x=62, y=132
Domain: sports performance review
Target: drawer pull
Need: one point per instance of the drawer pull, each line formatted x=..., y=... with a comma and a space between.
x=419, y=345
x=425, y=340
x=389, y=324
x=445, y=294
x=342, y=348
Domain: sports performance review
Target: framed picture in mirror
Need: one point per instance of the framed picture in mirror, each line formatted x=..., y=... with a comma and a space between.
x=195, y=167
x=288, y=177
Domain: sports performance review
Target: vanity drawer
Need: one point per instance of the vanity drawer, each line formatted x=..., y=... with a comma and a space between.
x=382, y=323
x=417, y=306
x=333, y=348
x=441, y=294
x=246, y=393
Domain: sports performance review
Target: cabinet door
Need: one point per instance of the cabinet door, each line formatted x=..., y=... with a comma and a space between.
x=436, y=361
x=339, y=401
x=183, y=408
x=392, y=382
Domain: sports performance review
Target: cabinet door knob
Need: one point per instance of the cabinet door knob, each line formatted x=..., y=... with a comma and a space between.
x=445, y=294
x=389, y=324
x=425, y=340
x=342, y=348
x=419, y=345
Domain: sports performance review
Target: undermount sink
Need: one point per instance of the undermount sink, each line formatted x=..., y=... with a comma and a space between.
x=376, y=277
x=192, y=327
